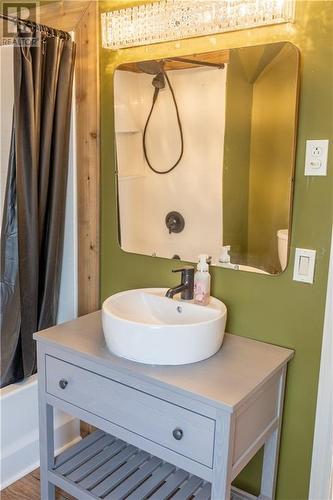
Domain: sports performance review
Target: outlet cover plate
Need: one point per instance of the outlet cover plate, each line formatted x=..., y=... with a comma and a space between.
x=316, y=157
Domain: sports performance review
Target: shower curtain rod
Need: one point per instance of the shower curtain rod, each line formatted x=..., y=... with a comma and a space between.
x=40, y=27
x=195, y=61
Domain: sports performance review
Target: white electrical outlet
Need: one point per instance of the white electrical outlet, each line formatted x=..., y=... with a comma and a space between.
x=316, y=157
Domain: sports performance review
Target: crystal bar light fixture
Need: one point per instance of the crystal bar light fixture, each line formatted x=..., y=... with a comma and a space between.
x=167, y=20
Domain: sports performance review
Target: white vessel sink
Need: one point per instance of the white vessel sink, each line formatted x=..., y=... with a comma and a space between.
x=145, y=326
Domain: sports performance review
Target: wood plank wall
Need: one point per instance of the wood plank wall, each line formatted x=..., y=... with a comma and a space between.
x=82, y=18
x=88, y=158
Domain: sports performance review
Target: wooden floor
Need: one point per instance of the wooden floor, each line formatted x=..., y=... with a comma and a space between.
x=28, y=488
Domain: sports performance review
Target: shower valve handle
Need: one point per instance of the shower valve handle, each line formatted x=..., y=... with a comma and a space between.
x=63, y=383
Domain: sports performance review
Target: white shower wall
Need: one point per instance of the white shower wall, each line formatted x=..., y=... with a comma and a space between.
x=194, y=188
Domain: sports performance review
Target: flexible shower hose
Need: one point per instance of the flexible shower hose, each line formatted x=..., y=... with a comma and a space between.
x=156, y=93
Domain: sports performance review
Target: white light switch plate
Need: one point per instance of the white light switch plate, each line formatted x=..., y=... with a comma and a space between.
x=316, y=157
x=304, y=265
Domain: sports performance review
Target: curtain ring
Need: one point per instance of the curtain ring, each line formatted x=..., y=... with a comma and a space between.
x=44, y=37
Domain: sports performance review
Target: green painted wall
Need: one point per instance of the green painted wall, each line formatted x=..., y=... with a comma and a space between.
x=236, y=159
x=271, y=309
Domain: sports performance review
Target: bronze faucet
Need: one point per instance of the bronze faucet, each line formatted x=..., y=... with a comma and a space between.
x=186, y=286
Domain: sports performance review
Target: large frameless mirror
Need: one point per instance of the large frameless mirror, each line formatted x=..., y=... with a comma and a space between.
x=205, y=155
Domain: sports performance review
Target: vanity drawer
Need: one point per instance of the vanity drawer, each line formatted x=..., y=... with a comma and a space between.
x=168, y=425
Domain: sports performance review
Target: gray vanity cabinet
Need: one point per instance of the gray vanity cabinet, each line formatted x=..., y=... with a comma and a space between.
x=164, y=432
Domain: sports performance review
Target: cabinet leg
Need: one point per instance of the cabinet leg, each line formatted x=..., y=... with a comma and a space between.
x=224, y=437
x=268, y=479
x=222, y=493
x=46, y=444
x=271, y=452
x=47, y=490
x=46, y=431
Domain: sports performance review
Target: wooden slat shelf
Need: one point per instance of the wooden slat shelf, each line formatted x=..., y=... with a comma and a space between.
x=102, y=466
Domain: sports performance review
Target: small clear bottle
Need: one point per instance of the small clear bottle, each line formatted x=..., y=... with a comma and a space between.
x=202, y=281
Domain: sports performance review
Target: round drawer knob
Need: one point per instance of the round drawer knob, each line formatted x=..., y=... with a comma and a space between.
x=177, y=434
x=63, y=383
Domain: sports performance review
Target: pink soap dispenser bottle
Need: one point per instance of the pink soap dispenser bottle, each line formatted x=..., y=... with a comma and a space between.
x=202, y=281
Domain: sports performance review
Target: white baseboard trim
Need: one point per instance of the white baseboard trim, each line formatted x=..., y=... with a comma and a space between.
x=238, y=494
x=68, y=429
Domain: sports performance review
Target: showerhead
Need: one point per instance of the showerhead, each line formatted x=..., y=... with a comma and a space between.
x=151, y=67
x=159, y=81
x=154, y=68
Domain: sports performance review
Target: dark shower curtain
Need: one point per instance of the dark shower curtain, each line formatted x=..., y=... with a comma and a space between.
x=34, y=211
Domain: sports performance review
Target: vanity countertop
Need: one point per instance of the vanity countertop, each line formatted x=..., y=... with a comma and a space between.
x=225, y=380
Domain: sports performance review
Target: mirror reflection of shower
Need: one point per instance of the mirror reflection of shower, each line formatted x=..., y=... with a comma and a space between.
x=146, y=199
x=159, y=82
